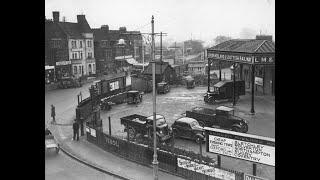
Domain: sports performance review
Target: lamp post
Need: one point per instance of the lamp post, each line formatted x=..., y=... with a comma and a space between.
x=233, y=69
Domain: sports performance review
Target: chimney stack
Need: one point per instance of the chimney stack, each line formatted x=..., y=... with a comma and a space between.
x=81, y=19
x=55, y=15
x=105, y=28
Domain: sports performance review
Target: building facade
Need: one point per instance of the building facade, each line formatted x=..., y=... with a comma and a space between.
x=69, y=47
x=116, y=49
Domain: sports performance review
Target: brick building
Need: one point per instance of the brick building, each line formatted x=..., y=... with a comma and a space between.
x=113, y=56
x=69, y=47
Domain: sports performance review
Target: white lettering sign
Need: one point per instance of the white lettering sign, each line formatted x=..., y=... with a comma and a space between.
x=61, y=63
x=258, y=81
x=93, y=132
x=251, y=177
x=205, y=169
x=243, y=150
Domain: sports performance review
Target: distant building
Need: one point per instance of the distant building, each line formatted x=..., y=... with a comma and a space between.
x=164, y=72
x=196, y=67
x=69, y=47
x=116, y=49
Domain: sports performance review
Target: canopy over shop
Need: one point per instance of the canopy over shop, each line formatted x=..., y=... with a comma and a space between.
x=256, y=55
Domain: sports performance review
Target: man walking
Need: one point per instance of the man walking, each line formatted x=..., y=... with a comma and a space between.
x=75, y=130
x=53, y=113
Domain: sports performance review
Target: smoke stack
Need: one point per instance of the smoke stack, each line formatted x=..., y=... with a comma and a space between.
x=55, y=15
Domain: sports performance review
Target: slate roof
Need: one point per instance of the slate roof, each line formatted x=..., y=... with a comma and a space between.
x=61, y=29
x=113, y=35
x=246, y=45
x=159, y=67
x=72, y=29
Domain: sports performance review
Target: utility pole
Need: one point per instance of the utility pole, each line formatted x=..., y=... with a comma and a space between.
x=142, y=57
x=155, y=160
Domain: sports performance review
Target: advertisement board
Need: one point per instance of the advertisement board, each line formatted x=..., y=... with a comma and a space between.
x=205, y=169
x=252, y=177
x=258, y=81
x=242, y=146
x=93, y=132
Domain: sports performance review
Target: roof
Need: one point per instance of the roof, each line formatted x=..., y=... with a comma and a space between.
x=186, y=120
x=221, y=83
x=159, y=67
x=72, y=29
x=114, y=35
x=224, y=108
x=203, y=110
x=246, y=45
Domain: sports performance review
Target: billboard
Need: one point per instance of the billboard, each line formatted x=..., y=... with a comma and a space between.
x=248, y=147
x=205, y=169
x=258, y=81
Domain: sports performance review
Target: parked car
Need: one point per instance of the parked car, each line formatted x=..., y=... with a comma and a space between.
x=51, y=143
x=188, y=128
x=223, y=90
x=163, y=87
x=134, y=97
x=69, y=82
x=222, y=117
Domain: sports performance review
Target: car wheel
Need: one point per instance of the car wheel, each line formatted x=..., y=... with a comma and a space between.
x=245, y=128
x=198, y=140
x=236, y=129
x=202, y=124
x=132, y=133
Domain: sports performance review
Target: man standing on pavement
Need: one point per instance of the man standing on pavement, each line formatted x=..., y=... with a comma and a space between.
x=75, y=130
x=53, y=113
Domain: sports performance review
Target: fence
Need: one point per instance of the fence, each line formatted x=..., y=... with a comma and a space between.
x=176, y=161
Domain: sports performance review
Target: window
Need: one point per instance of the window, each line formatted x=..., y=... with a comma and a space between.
x=76, y=55
x=80, y=44
x=73, y=44
x=89, y=43
x=89, y=54
x=80, y=55
x=75, y=70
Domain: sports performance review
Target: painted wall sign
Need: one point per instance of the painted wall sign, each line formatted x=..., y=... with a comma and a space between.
x=258, y=81
x=112, y=142
x=114, y=85
x=62, y=63
x=205, y=169
x=93, y=132
x=252, y=177
x=257, y=59
x=242, y=146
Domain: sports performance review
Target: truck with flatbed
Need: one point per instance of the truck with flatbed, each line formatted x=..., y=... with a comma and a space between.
x=138, y=126
x=222, y=117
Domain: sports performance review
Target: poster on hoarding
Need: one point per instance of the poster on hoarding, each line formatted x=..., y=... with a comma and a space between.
x=93, y=132
x=252, y=177
x=242, y=146
x=258, y=81
x=205, y=169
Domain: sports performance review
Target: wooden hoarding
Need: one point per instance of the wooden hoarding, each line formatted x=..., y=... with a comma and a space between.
x=248, y=147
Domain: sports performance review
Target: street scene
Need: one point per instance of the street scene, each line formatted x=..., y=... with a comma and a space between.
x=140, y=98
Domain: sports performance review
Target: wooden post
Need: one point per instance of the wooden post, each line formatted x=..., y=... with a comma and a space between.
x=252, y=89
x=219, y=70
x=254, y=169
x=109, y=125
x=219, y=161
x=78, y=98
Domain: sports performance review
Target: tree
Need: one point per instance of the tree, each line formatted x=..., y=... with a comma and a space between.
x=220, y=39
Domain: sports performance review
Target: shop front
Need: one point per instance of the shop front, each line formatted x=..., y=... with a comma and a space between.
x=49, y=74
x=63, y=69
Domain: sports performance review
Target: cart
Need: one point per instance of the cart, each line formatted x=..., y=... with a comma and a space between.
x=51, y=143
x=134, y=97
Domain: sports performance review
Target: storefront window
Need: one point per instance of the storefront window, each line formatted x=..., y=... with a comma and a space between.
x=75, y=70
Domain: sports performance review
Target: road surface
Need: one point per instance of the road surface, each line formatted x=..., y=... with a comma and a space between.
x=61, y=166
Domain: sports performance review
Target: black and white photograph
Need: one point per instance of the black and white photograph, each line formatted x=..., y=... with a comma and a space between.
x=159, y=89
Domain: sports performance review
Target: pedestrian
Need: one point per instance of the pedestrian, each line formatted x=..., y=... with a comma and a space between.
x=75, y=130
x=53, y=113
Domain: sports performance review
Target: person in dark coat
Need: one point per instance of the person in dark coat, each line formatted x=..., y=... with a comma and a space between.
x=53, y=113
x=75, y=130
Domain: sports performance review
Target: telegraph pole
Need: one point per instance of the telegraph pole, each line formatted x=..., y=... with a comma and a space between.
x=155, y=160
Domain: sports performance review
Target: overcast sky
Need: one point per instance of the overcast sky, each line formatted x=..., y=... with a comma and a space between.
x=181, y=19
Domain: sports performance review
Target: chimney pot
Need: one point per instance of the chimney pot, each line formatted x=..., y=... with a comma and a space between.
x=55, y=15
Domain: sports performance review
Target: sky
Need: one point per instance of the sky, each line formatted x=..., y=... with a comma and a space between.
x=181, y=19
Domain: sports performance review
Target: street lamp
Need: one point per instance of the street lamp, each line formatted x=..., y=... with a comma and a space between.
x=122, y=43
x=233, y=69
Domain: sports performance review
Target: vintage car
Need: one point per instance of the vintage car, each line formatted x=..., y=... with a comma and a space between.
x=69, y=82
x=134, y=97
x=190, y=82
x=223, y=90
x=163, y=87
x=51, y=143
x=222, y=117
x=188, y=128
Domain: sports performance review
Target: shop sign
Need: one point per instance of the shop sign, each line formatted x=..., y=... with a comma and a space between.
x=88, y=129
x=123, y=57
x=205, y=169
x=258, y=81
x=243, y=58
x=242, y=146
x=62, y=63
x=114, y=85
x=252, y=177
x=93, y=132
